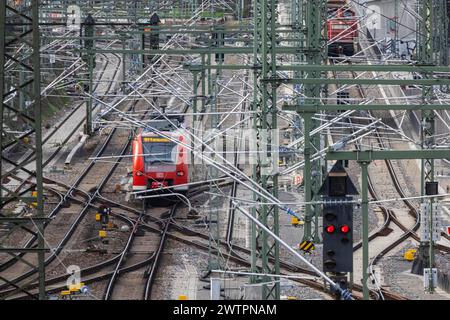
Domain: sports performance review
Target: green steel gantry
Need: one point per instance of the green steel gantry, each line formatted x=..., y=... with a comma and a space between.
x=21, y=180
x=433, y=50
x=264, y=248
x=312, y=172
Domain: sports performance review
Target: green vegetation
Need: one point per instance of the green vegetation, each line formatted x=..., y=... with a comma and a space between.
x=51, y=105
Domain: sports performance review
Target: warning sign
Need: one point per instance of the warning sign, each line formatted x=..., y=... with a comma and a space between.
x=306, y=246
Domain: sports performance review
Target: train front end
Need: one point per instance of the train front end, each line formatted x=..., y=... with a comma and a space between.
x=160, y=163
x=342, y=31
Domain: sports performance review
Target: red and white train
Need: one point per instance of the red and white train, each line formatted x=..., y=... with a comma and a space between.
x=159, y=162
x=342, y=28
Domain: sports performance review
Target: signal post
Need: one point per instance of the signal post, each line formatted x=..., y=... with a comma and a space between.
x=337, y=212
x=364, y=158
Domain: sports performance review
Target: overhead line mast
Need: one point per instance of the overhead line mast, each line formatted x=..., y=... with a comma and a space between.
x=19, y=24
x=265, y=124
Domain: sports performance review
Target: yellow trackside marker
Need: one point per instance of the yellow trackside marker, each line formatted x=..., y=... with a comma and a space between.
x=306, y=246
x=296, y=222
x=182, y=297
x=74, y=287
x=409, y=255
x=34, y=194
x=97, y=217
x=102, y=233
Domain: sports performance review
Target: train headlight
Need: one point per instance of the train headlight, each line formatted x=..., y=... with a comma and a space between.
x=180, y=173
x=139, y=173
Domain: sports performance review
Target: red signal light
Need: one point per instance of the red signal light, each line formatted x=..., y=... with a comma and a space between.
x=330, y=228
x=345, y=228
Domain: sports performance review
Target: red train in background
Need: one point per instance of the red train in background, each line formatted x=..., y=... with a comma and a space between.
x=158, y=160
x=342, y=28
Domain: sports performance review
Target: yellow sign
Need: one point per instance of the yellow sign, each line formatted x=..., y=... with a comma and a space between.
x=306, y=246
x=34, y=194
x=154, y=139
x=410, y=254
x=296, y=222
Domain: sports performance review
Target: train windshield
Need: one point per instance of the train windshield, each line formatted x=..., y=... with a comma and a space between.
x=159, y=151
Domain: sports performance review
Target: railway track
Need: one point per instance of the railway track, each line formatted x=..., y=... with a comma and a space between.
x=181, y=234
x=90, y=190
x=55, y=152
x=82, y=207
x=67, y=214
x=70, y=117
x=147, y=266
x=142, y=254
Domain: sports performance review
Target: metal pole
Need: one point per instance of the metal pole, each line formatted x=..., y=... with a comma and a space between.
x=89, y=101
x=89, y=31
x=307, y=123
x=425, y=45
x=38, y=136
x=203, y=79
x=431, y=248
x=214, y=259
x=396, y=35
x=194, y=110
x=2, y=79
x=314, y=10
x=365, y=226
x=123, y=65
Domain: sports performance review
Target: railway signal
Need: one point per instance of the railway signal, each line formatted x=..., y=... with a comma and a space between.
x=338, y=237
x=89, y=32
x=153, y=38
x=337, y=215
x=218, y=41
